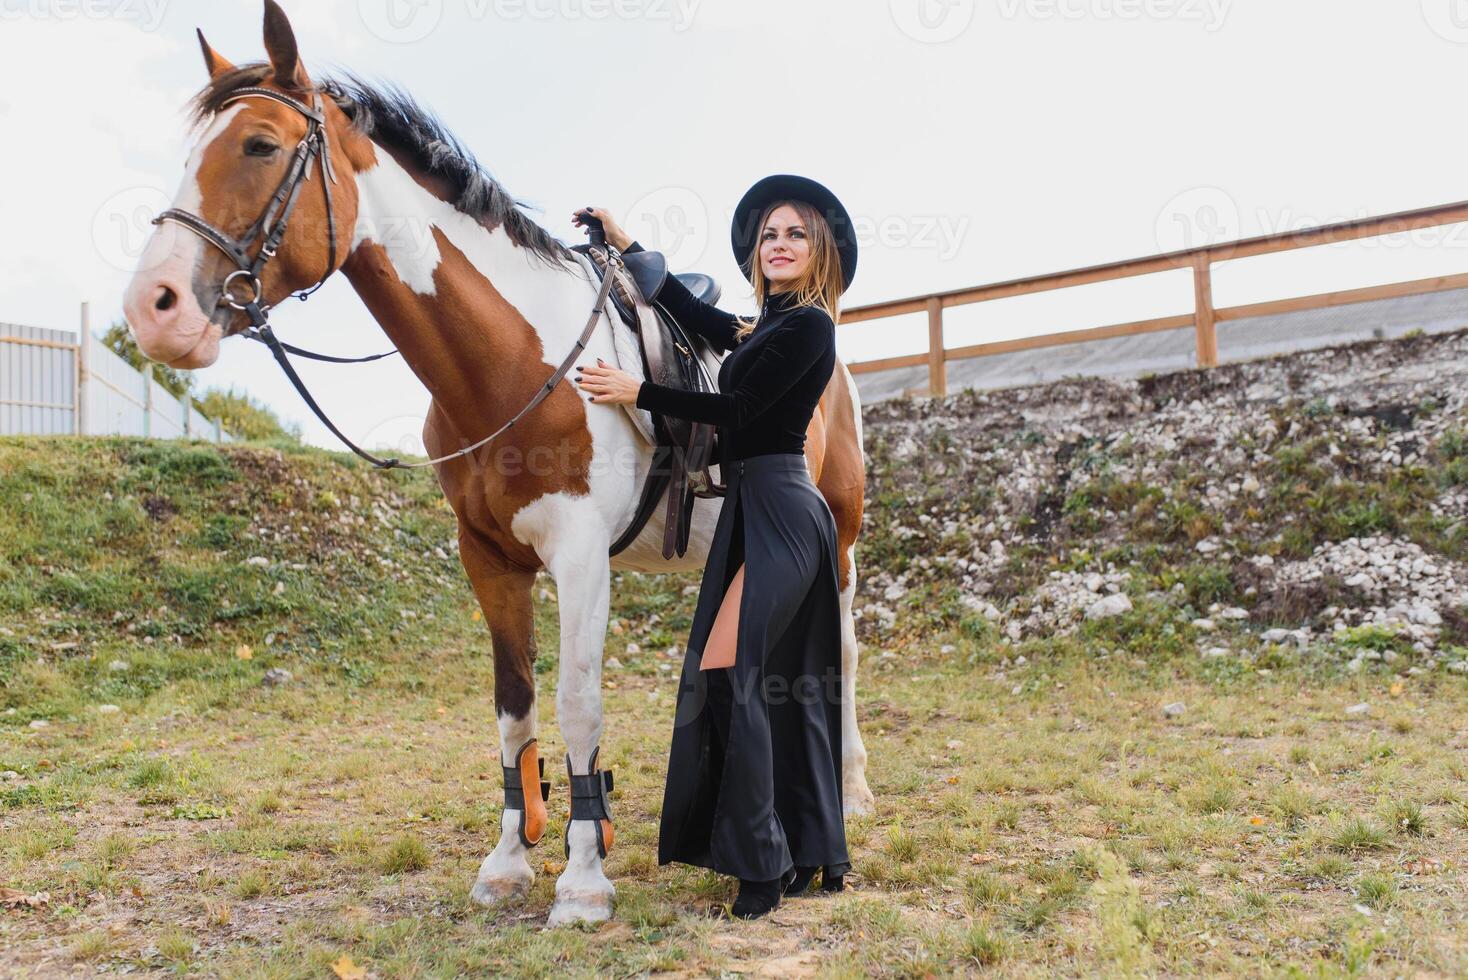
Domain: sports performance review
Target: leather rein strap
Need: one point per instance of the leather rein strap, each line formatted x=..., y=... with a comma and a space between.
x=276, y=348
x=272, y=226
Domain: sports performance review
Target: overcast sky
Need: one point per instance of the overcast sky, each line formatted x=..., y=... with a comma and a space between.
x=973, y=141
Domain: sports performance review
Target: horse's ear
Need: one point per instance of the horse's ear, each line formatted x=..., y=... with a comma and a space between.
x=213, y=60
x=280, y=44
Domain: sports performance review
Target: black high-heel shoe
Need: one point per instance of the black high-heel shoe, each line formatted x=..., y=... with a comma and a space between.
x=756, y=898
x=805, y=875
x=801, y=880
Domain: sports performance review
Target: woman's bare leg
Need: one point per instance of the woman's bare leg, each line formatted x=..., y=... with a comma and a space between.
x=724, y=634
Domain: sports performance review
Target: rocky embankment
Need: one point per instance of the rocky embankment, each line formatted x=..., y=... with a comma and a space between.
x=1314, y=501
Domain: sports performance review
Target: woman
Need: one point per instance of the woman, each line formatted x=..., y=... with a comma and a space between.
x=754, y=770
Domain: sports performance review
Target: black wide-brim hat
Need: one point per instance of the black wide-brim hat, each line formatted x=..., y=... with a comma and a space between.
x=745, y=230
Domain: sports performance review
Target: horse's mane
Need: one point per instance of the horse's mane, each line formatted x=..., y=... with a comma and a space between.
x=388, y=115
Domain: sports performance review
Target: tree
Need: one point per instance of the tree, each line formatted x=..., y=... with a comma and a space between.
x=244, y=417
x=119, y=340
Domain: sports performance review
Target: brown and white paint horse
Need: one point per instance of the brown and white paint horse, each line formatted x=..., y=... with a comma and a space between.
x=483, y=304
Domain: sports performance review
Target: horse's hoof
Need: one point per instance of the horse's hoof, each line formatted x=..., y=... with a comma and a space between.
x=858, y=800
x=581, y=906
x=498, y=889
x=487, y=891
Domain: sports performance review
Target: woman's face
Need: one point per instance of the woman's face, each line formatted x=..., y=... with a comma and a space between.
x=784, y=246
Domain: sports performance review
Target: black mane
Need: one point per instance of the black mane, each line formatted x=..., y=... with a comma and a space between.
x=389, y=115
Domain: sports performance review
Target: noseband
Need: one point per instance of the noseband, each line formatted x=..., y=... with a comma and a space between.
x=272, y=224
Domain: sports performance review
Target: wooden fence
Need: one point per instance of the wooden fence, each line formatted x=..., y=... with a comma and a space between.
x=54, y=382
x=1204, y=317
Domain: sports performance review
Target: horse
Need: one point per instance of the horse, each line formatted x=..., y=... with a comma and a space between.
x=482, y=303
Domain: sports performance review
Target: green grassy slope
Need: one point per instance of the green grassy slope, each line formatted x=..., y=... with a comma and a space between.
x=127, y=566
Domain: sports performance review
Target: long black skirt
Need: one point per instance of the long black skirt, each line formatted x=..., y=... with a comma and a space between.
x=754, y=771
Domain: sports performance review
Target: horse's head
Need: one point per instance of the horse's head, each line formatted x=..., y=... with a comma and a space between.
x=260, y=153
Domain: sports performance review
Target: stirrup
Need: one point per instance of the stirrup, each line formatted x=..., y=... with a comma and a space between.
x=532, y=816
x=589, y=802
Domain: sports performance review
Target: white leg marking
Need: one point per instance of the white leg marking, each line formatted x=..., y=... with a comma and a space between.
x=571, y=537
x=506, y=872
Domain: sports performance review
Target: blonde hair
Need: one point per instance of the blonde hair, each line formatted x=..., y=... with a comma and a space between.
x=821, y=283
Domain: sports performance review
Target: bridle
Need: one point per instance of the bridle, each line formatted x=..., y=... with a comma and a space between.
x=270, y=227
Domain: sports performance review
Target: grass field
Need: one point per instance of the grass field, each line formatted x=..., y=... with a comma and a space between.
x=1037, y=818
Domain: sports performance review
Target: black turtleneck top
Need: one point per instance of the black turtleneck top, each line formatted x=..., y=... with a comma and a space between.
x=768, y=386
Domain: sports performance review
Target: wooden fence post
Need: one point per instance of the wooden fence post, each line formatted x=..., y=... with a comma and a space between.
x=83, y=357
x=937, y=356
x=1204, y=321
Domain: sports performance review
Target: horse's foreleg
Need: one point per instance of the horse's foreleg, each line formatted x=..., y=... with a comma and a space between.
x=583, y=585
x=855, y=794
x=503, y=591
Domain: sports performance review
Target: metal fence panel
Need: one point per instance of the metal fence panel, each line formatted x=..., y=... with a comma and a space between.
x=39, y=393
x=37, y=380
x=116, y=395
x=167, y=420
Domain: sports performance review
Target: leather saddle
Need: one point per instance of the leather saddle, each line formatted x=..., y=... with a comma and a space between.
x=674, y=357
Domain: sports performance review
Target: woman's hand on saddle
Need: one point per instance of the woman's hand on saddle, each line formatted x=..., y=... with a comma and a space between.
x=608, y=385
x=615, y=235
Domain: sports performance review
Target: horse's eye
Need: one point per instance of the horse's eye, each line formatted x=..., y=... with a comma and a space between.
x=259, y=146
